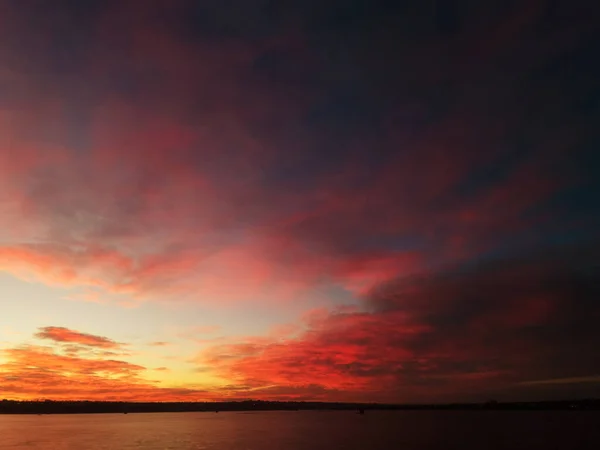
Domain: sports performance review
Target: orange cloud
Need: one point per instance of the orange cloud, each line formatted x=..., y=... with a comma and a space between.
x=31, y=372
x=61, y=334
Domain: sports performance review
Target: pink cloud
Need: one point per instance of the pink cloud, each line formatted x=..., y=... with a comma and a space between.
x=183, y=185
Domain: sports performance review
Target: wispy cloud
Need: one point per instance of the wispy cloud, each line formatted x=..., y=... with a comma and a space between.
x=159, y=344
x=61, y=334
x=571, y=380
x=31, y=371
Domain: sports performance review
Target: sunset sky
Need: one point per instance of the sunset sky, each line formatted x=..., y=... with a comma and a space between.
x=345, y=200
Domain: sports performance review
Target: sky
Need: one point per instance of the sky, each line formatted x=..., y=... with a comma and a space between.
x=337, y=200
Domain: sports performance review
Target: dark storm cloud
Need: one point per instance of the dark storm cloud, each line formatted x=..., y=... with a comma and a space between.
x=548, y=298
x=530, y=316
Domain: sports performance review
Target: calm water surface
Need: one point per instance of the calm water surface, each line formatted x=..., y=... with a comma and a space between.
x=304, y=430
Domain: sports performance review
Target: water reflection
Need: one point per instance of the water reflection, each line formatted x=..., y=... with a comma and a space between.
x=302, y=430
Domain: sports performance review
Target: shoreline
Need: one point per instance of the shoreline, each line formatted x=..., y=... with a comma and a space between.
x=45, y=407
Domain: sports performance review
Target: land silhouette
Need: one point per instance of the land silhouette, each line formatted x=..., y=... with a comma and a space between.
x=91, y=407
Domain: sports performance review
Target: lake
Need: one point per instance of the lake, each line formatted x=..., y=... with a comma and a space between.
x=304, y=430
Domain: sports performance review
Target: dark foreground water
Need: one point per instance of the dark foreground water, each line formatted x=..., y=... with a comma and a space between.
x=304, y=430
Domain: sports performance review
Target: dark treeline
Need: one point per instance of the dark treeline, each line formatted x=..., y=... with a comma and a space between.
x=81, y=407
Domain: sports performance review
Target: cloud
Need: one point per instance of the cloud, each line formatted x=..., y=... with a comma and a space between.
x=181, y=154
x=158, y=172
x=61, y=334
x=572, y=380
x=465, y=333
x=49, y=360
x=31, y=371
x=159, y=344
x=504, y=327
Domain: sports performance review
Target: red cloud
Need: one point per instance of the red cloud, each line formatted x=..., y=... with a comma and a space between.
x=180, y=189
x=349, y=356
x=61, y=334
x=462, y=335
